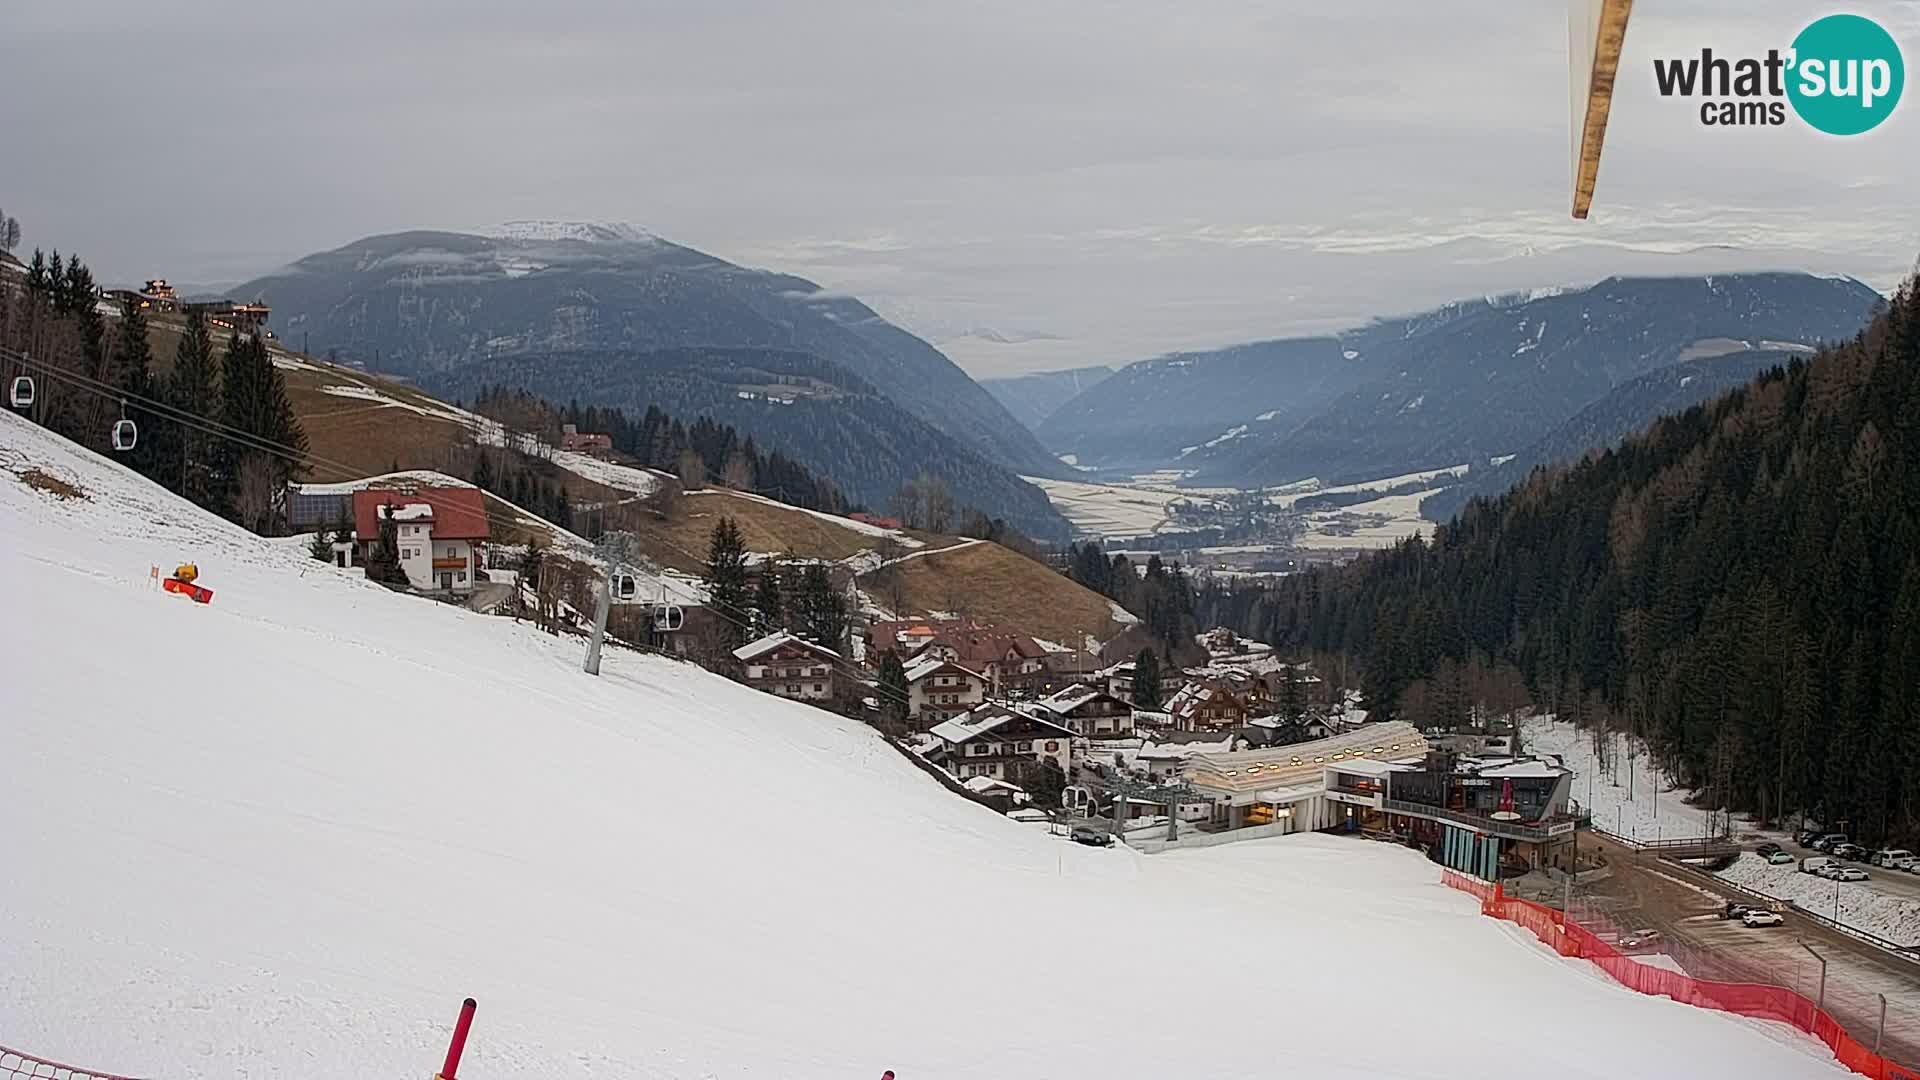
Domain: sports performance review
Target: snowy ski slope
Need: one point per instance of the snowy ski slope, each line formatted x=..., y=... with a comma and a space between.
x=284, y=834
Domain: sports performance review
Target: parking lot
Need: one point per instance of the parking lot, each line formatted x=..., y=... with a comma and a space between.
x=1685, y=908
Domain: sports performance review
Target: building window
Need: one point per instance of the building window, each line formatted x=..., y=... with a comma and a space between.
x=817, y=688
x=1024, y=747
x=977, y=749
x=793, y=688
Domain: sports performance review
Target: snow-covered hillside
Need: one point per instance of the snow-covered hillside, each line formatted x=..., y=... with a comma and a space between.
x=282, y=835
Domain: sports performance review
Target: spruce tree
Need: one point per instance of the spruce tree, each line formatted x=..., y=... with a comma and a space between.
x=133, y=362
x=894, y=692
x=194, y=389
x=1293, y=703
x=1146, y=680
x=769, y=604
x=823, y=618
x=726, y=579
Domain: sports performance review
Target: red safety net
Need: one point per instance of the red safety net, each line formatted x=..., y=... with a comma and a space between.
x=1747, y=999
x=15, y=1065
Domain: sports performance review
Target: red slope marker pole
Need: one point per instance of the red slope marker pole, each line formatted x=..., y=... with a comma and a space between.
x=459, y=1043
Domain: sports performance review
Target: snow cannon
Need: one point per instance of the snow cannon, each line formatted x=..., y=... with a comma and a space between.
x=182, y=583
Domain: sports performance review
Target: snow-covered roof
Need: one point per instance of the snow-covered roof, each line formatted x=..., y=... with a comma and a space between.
x=982, y=785
x=1071, y=696
x=775, y=640
x=985, y=719
x=410, y=512
x=927, y=665
x=1246, y=771
x=1525, y=770
x=1029, y=813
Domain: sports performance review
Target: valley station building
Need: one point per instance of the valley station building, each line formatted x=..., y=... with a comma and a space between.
x=1470, y=813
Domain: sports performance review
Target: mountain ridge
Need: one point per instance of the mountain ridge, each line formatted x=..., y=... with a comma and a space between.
x=1467, y=381
x=420, y=302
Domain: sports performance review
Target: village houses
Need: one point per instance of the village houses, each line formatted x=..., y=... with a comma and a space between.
x=1009, y=661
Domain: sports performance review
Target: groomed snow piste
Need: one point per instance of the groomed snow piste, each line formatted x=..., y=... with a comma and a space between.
x=283, y=835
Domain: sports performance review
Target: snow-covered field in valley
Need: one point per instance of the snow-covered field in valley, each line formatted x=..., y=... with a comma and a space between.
x=284, y=834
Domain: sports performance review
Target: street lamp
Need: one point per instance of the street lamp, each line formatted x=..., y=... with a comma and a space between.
x=1821, y=1005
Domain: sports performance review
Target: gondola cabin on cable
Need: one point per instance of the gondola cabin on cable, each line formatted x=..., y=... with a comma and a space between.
x=668, y=618
x=125, y=434
x=22, y=393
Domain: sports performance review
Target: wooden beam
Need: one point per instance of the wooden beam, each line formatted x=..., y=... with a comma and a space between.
x=1597, y=30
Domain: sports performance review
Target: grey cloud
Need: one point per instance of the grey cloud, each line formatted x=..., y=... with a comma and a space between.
x=1030, y=184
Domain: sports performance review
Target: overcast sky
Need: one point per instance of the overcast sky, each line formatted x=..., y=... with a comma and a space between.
x=1029, y=184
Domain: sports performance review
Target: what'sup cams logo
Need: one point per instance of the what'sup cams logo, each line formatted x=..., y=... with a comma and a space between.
x=1843, y=75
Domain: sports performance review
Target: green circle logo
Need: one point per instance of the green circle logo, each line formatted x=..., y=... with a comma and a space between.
x=1847, y=74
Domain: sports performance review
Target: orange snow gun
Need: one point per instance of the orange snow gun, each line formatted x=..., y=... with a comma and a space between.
x=182, y=583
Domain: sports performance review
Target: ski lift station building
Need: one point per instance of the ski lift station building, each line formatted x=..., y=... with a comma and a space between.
x=1474, y=814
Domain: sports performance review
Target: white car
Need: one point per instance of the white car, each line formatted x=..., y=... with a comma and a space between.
x=1761, y=918
x=1895, y=859
x=1849, y=873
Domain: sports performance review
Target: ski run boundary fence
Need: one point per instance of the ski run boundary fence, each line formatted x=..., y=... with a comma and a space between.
x=1570, y=939
x=15, y=1065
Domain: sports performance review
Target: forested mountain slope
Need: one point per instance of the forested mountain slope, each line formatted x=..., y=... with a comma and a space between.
x=1627, y=410
x=816, y=412
x=1741, y=585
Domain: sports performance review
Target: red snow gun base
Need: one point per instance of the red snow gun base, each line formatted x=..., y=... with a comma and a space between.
x=199, y=594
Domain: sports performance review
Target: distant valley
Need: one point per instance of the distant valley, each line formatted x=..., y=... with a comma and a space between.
x=1470, y=382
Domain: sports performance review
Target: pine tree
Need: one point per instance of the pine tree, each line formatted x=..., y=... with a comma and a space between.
x=823, y=609
x=769, y=603
x=1146, y=680
x=383, y=561
x=894, y=697
x=726, y=580
x=194, y=389
x=133, y=360
x=321, y=547
x=1293, y=704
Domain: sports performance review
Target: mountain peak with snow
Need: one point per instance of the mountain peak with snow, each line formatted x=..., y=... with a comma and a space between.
x=591, y=232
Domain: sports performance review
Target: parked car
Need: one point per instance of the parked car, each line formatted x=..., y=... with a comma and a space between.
x=1813, y=864
x=1781, y=858
x=1767, y=848
x=1850, y=852
x=1734, y=911
x=1640, y=939
x=1092, y=837
x=1761, y=918
x=1894, y=858
x=1849, y=873
x=1830, y=841
x=1806, y=837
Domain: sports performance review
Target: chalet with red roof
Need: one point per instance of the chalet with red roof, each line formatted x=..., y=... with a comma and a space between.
x=441, y=533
